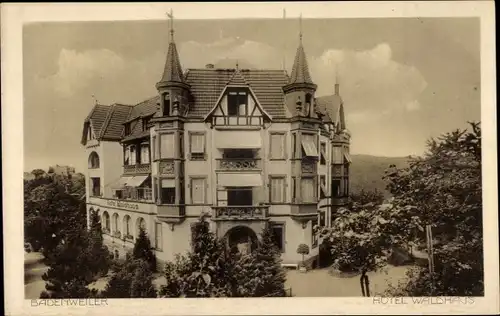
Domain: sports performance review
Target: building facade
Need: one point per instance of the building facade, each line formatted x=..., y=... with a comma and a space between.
x=247, y=147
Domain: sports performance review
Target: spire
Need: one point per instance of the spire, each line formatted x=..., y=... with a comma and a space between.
x=173, y=70
x=300, y=69
x=337, y=87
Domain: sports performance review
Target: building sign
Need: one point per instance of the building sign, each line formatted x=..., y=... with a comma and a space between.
x=125, y=205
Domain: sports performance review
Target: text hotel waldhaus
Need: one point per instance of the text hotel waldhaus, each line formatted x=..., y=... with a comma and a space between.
x=247, y=147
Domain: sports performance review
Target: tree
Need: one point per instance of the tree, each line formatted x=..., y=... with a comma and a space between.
x=206, y=271
x=260, y=273
x=120, y=283
x=143, y=250
x=445, y=186
x=70, y=270
x=142, y=281
x=367, y=198
x=303, y=250
x=99, y=255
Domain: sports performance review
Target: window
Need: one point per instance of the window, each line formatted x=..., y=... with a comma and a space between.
x=322, y=153
x=197, y=146
x=198, y=190
x=277, y=187
x=167, y=193
x=308, y=190
x=126, y=228
x=127, y=129
x=346, y=186
x=336, y=188
x=130, y=155
x=314, y=235
x=322, y=186
x=309, y=145
x=105, y=219
x=96, y=186
x=181, y=145
x=322, y=219
x=294, y=189
x=145, y=123
x=308, y=104
x=237, y=103
x=277, y=144
x=94, y=160
x=239, y=196
x=294, y=145
x=336, y=155
x=154, y=148
x=166, y=145
x=115, y=223
x=278, y=232
x=126, y=156
x=158, y=236
x=90, y=134
x=166, y=104
x=145, y=153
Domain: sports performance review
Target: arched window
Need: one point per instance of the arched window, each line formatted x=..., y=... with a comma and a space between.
x=308, y=105
x=115, y=223
x=105, y=220
x=93, y=160
x=141, y=223
x=126, y=226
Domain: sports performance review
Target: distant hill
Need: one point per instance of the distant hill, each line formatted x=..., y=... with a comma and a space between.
x=367, y=171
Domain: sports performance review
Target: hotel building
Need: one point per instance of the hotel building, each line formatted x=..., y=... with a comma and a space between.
x=247, y=147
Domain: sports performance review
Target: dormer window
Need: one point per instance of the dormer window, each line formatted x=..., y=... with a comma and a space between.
x=145, y=123
x=166, y=104
x=127, y=129
x=237, y=101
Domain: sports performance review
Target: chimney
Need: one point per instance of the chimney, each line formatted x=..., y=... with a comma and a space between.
x=209, y=66
x=337, y=89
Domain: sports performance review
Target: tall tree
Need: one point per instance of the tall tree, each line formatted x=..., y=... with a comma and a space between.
x=260, y=273
x=445, y=187
x=143, y=250
x=120, y=283
x=206, y=271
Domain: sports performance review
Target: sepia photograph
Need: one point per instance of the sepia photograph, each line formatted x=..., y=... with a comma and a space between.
x=292, y=156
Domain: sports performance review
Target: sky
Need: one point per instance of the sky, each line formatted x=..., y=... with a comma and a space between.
x=403, y=80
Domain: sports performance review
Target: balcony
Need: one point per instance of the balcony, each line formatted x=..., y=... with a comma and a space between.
x=308, y=166
x=137, y=194
x=137, y=168
x=236, y=212
x=239, y=164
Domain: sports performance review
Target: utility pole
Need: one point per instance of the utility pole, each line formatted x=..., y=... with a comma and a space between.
x=430, y=253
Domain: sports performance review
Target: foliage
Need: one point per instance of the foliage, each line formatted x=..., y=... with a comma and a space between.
x=366, y=198
x=142, y=281
x=260, y=273
x=445, y=186
x=303, y=250
x=98, y=252
x=51, y=206
x=143, y=250
x=206, y=271
x=120, y=283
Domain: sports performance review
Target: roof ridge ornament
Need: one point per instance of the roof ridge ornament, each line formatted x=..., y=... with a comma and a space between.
x=171, y=17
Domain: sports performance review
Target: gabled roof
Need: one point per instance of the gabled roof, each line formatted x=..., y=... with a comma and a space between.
x=237, y=79
x=300, y=68
x=106, y=121
x=330, y=105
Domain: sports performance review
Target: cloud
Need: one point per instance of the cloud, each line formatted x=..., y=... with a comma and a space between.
x=225, y=52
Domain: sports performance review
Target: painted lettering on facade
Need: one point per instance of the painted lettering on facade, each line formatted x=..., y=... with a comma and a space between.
x=126, y=205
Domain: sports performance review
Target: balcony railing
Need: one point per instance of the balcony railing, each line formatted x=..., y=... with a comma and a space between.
x=137, y=168
x=239, y=164
x=135, y=194
x=240, y=212
x=308, y=166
